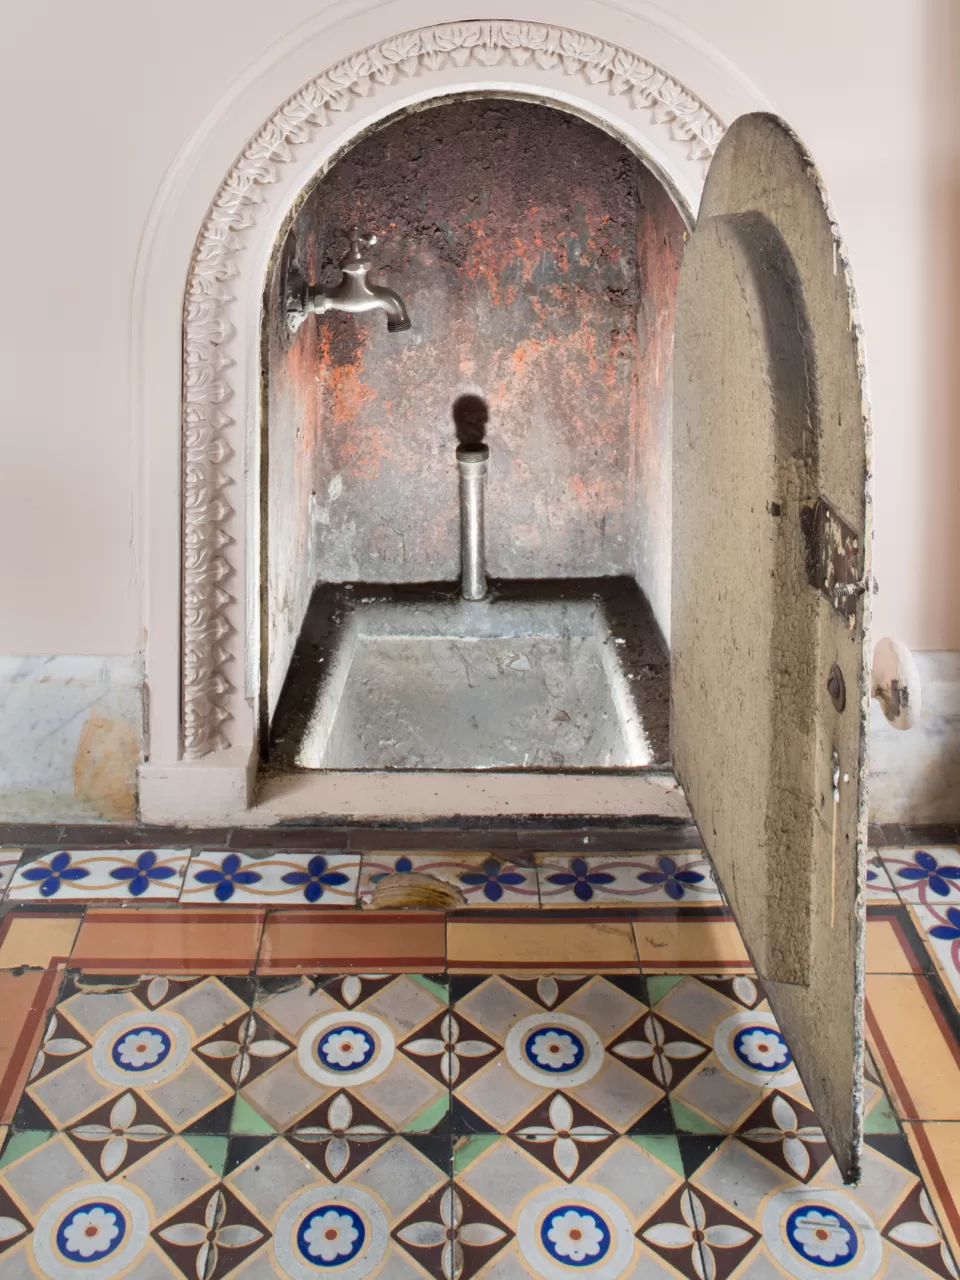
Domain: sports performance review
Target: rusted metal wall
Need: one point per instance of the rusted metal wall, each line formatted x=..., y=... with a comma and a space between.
x=512, y=233
x=292, y=430
x=661, y=237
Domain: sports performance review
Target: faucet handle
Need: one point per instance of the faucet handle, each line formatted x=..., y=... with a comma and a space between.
x=360, y=240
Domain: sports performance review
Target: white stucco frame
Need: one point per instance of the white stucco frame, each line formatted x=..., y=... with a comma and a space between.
x=196, y=366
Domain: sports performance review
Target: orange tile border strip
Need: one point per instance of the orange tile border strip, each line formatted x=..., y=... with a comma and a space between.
x=669, y=943
x=944, y=1185
x=925, y=1073
x=24, y=1049
x=38, y=938
x=182, y=940
x=887, y=947
x=338, y=940
x=510, y=946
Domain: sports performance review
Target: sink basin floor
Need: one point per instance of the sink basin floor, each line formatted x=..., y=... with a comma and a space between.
x=541, y=676
x=442, y=702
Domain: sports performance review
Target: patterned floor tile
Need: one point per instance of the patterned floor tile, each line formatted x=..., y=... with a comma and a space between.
x=516, y=1217
x=939, y=926
x=138, y=874
x=9, y=857
x=780, y=1208
x=350, y=1059
x=727, y=1056
x=879, y=885
x=484, y=880
x=549, y=1053
x=930, y=876
x=937, y=1150
x=278, y=876
x=133, y=1062
x=62, y=1217
x=567, y=881
x=379, y=1217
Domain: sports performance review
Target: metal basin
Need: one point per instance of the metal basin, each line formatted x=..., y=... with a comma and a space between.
x=407, y=680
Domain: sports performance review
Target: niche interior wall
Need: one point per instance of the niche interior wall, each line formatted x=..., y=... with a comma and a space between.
x=537, y=257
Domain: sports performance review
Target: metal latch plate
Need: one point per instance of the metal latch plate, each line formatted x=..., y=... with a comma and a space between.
x=833, y=556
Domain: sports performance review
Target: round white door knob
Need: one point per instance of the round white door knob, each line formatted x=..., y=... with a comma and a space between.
x=895, y=683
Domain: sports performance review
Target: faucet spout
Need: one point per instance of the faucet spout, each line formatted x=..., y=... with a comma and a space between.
x=392, y=304
x=354, y=294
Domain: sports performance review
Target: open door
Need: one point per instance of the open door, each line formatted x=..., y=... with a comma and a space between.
x=771, y=561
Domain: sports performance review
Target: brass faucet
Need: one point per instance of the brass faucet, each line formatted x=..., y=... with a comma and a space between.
x=353, y=294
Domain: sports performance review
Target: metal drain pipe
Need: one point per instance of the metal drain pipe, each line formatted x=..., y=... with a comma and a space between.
x=472, y=460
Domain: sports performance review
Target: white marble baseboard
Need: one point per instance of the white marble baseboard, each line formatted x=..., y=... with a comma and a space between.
x=915, y=775
x=71, y=737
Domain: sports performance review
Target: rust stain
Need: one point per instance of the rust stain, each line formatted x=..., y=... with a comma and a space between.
x=105, y=768
x=518, y=240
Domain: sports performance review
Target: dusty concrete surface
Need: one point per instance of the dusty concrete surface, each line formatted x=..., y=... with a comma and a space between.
x=537, y=258
x=560, y=674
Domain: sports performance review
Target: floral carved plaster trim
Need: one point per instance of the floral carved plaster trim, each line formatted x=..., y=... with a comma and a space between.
x=208, y=548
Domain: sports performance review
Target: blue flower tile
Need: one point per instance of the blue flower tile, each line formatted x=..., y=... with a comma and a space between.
x=939, y=926
x=125, y=874
x=930, y=875
x=682, y=877
x=309, y=879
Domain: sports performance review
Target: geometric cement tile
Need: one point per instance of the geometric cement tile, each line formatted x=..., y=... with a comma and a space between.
x=373, y=1055
x=520, y=1218
x=535, y=1037
x=884, y=1227
x=212, y=1235
x=309, y=1224
x=112, y=1064
x=748, y=1059
x=698, y=1235
x=62, y=1218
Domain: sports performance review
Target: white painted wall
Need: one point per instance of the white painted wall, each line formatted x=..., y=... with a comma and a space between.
x=100, y=99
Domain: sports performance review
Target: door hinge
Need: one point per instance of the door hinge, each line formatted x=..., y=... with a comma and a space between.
x=833, y=557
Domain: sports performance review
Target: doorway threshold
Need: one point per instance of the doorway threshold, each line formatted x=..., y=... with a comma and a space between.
x=424, y=795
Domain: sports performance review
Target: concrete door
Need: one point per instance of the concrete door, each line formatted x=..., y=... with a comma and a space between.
x=771, y=550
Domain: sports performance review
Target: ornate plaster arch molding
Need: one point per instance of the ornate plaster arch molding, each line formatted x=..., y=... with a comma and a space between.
x=211, y=558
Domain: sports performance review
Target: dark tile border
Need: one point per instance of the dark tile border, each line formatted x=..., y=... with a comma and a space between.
x=577, y=834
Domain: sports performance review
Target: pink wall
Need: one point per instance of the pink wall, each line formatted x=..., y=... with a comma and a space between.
x=102, y=100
